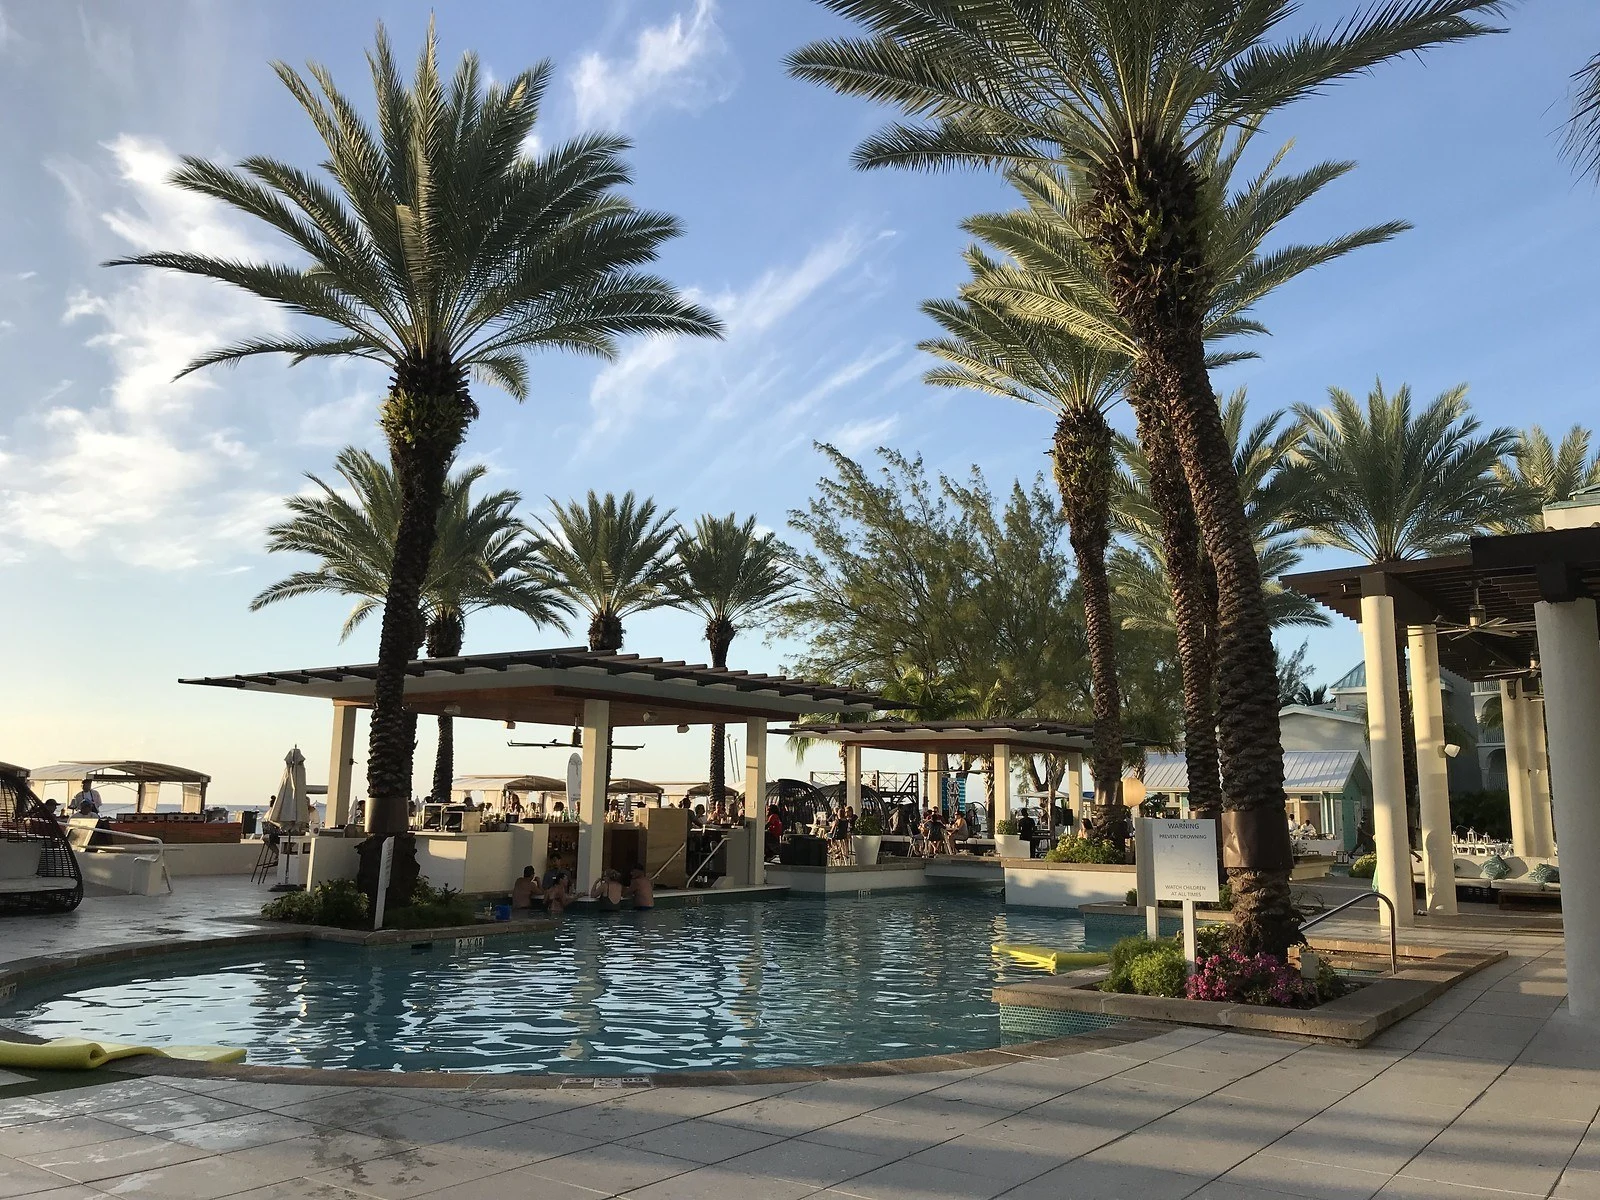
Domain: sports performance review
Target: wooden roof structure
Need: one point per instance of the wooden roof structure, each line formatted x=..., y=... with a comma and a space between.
x=549, y=687
x=954, y=737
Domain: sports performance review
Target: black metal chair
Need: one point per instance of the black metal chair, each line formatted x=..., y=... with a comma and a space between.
x=38, y=869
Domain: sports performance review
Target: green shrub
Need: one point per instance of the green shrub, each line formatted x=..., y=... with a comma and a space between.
x=338, y=903
x=1123, y=955
x=1081, y=850
x=1132, y=898
x=868, y=825
x=1010, y=827
x=431, y=908
x=1488, y=812
x=1161, y=972
x=1364, y=867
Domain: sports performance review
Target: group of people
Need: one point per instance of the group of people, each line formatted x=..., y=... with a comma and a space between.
x=553, y=892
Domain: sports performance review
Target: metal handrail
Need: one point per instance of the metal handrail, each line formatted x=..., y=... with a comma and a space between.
x=1394, y=952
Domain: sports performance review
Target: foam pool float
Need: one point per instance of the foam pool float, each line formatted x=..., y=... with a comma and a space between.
x=82, y=1054
x=1051, y=959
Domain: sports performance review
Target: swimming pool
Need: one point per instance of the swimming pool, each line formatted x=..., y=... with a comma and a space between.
x=722, y=986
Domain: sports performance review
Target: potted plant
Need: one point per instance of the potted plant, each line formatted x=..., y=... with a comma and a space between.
x=1006, y=842
x=868, y=838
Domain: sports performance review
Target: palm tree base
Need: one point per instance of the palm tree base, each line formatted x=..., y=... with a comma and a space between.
x=403, y=870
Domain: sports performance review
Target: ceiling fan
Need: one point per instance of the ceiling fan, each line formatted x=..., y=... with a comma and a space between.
x=575, y=744
x=1479, y=621
x=1531, y=671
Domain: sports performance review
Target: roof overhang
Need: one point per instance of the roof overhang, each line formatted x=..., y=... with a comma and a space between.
x=550, y=687
x=955, y=737
x=103, y=771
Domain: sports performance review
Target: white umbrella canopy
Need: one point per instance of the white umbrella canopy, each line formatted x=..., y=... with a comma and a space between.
x=292, y=806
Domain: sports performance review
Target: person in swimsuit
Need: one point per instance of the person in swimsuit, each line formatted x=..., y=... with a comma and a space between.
x=641, y=888
x=557, y=896
x=607, y=891
x=526, y=890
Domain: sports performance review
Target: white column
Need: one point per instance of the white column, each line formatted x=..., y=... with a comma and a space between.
x=1388, y=756
x=1074, y=786
x=1570, y=654
x=592, y=793
x=1000, y=764
x=1513, y=718
x=1433, y=779
x=932, y=776
x=1544, y=834
x=755, y=795
x=341, y=759
x=852, y=777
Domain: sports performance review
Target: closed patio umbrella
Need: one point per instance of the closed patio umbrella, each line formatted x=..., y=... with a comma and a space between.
x=291, y=808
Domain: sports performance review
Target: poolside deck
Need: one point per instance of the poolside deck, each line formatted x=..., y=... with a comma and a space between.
x=1491, y=1093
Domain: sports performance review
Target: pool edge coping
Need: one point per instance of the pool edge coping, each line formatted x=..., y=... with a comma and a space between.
x=25, y=970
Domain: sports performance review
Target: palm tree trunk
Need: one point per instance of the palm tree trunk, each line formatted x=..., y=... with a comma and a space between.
x=445, y=634
x=719, y=633
x=1194, y=609
x=1148, y=232
x=605, y=632
x=424, y=416
x=1083, y=466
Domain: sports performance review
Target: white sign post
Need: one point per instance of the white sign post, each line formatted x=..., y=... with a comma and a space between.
x=1179, y=859
x=385, y=869
x=574, y=785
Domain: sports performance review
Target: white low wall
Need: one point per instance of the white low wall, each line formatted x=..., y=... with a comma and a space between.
x=132, y=874
x=471, y=862
x=829, y=880
x=1066, y=885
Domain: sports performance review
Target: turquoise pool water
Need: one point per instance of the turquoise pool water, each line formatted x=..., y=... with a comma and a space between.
x=718, y=986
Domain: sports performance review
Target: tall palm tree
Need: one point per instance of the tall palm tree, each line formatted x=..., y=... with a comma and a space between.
x=1545, y=473
x=728, y=574
x=1386, y=483
x=611, y=558
x=992, y=350
x=435, y=246
x=1130, y=93
x=1052, y=276
x=483, y=557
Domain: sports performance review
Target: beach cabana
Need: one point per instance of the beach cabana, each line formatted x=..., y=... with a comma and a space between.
x=145, y=777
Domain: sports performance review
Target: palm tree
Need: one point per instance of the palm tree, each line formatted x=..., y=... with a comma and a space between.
x=1130, y=93
x=728, y=574
x=483, y=557
x=611, y=558
x=992, y=350
x=1385, y=483
x=1583, y=127
x=1052, y=277
x=439, y=249
x=1544, y=473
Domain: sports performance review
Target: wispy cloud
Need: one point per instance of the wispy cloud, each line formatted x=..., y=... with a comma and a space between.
x=153, y=471
x=684, y=64
x=857, y=436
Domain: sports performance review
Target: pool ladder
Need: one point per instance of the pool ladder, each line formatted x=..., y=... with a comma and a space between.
x=1394, y=952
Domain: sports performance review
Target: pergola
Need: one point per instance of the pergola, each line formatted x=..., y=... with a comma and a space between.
x=147, y=777
x=566, y=686
x=1456, y=610
x=934, y=739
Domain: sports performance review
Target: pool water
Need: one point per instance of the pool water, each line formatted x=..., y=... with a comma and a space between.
x=719, y=986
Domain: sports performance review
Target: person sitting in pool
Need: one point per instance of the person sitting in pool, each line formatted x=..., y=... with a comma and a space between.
x=607, y=891
x=957, y=833
x=526, y=890
x=641, y=888
x=556, y=895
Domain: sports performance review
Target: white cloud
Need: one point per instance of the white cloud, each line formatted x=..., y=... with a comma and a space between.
x=684, y=64
x=716, y=377
x=868, y=434
x=154, y=471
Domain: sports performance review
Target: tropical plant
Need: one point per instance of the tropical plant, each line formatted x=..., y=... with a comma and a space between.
x=438, y=247
x=483, y=557
x=1583, y=128
x=1053, y=277
x=1130, y=93
x=1387, y=483
x=729, y=575
x=1545, y=473
x=611, y=558
x=992, y=350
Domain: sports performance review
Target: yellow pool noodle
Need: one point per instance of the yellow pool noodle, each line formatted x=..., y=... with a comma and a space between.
x=81, y=1054
x=1051, y=959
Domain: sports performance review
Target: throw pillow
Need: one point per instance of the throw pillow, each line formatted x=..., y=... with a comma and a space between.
x=1544, y=873
x=1494, y=868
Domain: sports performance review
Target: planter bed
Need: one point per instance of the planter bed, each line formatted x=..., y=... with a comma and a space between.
x=1426, y=972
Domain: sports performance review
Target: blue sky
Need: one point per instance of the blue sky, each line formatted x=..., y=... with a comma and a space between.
x=131, y=507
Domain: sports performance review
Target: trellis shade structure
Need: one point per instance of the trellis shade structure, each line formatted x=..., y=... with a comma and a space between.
x=549, y=687
x=595, y=693
x=145, y=776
